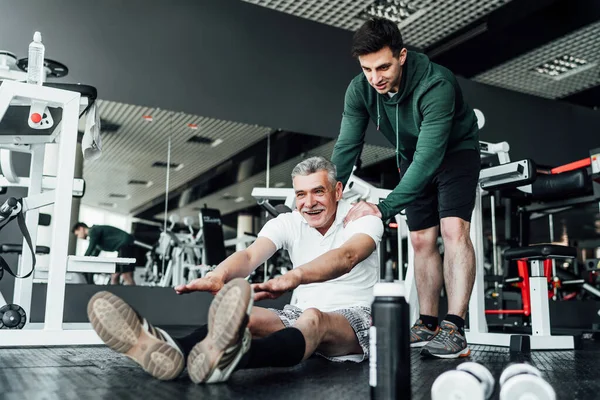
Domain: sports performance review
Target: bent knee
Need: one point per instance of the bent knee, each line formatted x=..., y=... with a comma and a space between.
x=423, y=241
x=455, y=229
x=312, y=317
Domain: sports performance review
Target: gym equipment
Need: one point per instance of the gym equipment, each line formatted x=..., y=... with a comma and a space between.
x=521, y=175
x=12, y=316
x=185, y=256
x=212, y=236
x=16, y=70
x=469, y=381
x=189, y=255
x=167, y=260
x=524, y=382
x=32, y=116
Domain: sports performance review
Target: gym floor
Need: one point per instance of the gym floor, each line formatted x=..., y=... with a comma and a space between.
x=94, y=372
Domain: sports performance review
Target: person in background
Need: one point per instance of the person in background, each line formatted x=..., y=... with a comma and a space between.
x=109, y=238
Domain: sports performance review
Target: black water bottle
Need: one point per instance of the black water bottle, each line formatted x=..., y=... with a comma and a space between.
x=389, y=337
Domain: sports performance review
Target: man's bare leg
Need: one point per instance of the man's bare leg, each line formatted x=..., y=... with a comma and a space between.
x=115, y=278
x=428, y=269
x=328, y=333
x=128, y=279
x=459, y=264
x=263, y=322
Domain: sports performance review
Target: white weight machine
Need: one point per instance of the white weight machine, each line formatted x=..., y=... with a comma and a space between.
x=186, y=253
x=56, y=108
x=515, y=174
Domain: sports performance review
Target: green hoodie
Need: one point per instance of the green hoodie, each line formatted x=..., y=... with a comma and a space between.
x=425, y=120
x=107, y=238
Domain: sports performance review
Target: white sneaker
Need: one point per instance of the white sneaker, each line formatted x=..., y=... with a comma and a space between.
x=125, y=331
x=214, y=358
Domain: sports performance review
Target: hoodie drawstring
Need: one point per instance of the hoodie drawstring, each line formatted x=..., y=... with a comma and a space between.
x=378, y=115
x=397, y=140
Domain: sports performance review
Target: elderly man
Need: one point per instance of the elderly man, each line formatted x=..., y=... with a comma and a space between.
x=335, y=269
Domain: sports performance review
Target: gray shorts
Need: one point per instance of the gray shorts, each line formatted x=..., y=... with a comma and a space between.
x=358, y=317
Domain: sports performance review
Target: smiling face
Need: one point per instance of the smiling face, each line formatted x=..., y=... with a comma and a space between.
x=316, y=199
x=383, y=70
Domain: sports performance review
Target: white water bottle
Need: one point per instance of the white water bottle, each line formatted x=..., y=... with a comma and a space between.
x=35, y=61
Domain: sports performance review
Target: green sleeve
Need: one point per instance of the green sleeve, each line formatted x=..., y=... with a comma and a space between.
x=352, y=135
x=437, y=108
x=93, y=239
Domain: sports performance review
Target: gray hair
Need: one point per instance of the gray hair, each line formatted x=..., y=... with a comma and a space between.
x=315, y=164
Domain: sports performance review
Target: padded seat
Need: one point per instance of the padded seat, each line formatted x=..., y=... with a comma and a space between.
x=86, y=90
x=540, y=252
x=18, y=248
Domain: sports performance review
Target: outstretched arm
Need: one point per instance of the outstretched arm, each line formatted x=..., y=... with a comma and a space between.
x=93, y=240
x=330, y=265
x=238, y=265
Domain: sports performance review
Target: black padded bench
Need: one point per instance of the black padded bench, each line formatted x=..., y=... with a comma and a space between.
x=18, y=248
x=534, y=284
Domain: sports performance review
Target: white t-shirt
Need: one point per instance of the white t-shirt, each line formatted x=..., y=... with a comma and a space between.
x=291, y=232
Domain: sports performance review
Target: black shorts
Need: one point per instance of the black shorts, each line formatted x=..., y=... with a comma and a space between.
x=451, y=192
x=127, y=252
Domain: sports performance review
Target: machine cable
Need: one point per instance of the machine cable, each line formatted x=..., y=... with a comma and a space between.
x=11, y=209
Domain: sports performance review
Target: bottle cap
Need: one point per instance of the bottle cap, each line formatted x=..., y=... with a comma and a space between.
x=37, y=37
x=389, y=289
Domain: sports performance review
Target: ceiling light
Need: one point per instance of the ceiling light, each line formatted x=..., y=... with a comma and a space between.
x=200, y=139
x=107, y=204
x=162, y=164
x=216, y=142
x=141, y=182
x=239, y=199
x=563, y=66
x=395, y=10
x=119, y=196
x=279, y=184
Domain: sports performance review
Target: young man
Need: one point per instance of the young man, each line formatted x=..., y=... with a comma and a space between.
x=418, y=106
x=109, y=238
x=335, y=269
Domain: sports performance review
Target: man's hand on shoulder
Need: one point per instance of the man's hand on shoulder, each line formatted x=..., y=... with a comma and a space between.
x=361, y=209
x=210, y=283
x=275, y=287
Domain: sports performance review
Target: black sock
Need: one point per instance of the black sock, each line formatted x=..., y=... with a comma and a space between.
x=456, y=320
x=188, y=342
x=430, y=322
x=284, y=348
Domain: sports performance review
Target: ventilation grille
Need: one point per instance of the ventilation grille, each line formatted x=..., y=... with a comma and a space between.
x=520, y=74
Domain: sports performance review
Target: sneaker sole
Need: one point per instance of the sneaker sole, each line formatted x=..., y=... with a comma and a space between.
x=419, y=344
x=463, y=353
x=119, y=327
x=228, y=316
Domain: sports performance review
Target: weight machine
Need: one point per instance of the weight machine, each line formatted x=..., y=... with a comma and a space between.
x=32, y=116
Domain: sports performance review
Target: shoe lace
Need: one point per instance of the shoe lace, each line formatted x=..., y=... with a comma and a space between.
x=443, y=334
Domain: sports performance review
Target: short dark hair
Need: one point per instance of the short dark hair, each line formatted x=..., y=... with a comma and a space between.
x=374, y=35
x=78, y=225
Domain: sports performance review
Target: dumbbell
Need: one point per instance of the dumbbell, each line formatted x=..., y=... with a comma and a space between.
x=469, y=381
x=524, y=382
